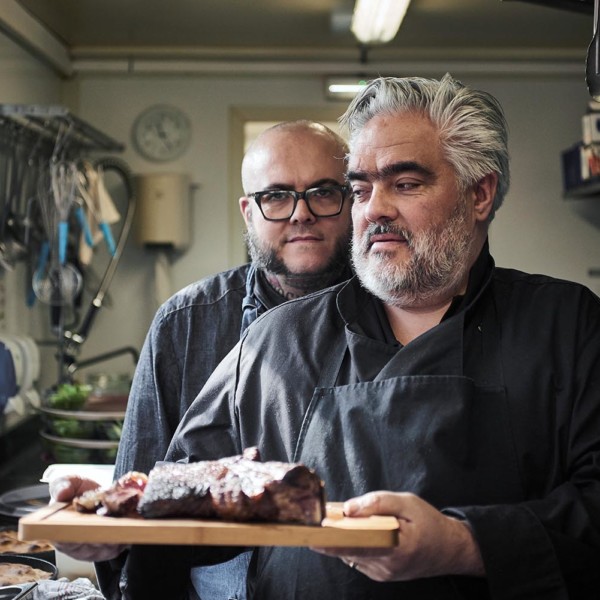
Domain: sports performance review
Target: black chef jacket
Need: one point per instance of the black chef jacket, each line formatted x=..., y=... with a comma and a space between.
x=531, y=343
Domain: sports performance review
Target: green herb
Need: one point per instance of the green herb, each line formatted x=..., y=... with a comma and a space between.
x=113, y=430
x=71, y=428
x=66, y=454
x=69, y=396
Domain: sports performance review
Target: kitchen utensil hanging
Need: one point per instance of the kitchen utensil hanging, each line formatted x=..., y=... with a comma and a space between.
x=55, y=282
x=15, y=181
x=52, y=135
x=59, y=284
x=75, y=339
x=32, y=137
x=93, y=195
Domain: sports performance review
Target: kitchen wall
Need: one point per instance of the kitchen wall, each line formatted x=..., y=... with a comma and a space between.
x=22, y=80
x=536, y=230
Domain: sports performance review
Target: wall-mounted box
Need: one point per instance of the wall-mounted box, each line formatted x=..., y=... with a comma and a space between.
x=163, y=210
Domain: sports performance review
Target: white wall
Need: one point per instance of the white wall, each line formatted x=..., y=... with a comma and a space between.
x=23, y=80
x=536, y=230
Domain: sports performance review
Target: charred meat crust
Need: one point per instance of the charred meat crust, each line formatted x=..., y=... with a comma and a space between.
x=236, y=489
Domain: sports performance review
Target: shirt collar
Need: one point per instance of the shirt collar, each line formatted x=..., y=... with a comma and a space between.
x=364, y=313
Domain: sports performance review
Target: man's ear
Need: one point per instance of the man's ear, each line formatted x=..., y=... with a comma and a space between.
x=484, y=193
x=245, y=209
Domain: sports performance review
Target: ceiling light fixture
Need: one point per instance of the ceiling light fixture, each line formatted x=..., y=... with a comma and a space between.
x=343, y=88
x=377, y=21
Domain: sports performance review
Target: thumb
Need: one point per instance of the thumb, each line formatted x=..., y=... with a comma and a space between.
x=377, y=503
x=64, y=489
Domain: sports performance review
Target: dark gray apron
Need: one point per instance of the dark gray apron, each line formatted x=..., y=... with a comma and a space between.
x=420, y=426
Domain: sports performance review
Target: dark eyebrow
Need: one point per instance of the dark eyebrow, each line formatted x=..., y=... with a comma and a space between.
x=389, y=170
x=314, y=184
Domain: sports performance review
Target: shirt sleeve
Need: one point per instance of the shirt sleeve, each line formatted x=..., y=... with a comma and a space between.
x=153, y=408
x=549, y=547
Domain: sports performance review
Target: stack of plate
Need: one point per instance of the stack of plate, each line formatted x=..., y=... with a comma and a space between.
x=81, y=436
x=83, y=422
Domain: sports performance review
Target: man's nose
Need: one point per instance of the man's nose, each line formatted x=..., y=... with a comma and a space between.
x=301, y=213
x=380, y=206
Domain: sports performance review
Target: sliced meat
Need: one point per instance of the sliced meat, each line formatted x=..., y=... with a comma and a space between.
x=119, y=500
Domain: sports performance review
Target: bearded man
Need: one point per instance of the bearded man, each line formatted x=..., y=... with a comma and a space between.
x=458, y=396
x=297, y=211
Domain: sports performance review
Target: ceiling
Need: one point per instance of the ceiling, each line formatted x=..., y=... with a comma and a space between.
x=310, y=30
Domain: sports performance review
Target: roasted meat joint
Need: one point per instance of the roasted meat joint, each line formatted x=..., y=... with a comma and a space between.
x=236, y=488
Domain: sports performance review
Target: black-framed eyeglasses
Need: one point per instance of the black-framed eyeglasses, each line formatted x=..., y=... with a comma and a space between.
x=323, y=201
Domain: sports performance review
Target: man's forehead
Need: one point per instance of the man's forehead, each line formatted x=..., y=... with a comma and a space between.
x=301, y=173
x=391, y=139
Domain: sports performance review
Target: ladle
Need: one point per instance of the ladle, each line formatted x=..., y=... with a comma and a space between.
x=58, y=285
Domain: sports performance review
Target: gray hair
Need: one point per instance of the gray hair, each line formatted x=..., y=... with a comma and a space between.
x=471, y=123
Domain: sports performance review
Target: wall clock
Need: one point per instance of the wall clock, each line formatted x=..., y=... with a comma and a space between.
x=161, y=133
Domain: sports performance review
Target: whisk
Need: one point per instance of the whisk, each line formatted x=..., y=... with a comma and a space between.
x=55, y=281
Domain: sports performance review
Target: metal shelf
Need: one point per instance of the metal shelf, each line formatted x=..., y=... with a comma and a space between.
x=46, y=124
x=589, y=189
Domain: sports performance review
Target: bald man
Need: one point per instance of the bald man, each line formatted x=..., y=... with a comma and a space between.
x=297, y=212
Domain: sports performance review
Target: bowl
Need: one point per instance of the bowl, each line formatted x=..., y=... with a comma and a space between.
x=70, y=450
x=29, y=561
x=83, y=424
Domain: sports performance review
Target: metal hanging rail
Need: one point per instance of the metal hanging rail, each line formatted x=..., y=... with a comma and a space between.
x=44, y=150
x=49, y=123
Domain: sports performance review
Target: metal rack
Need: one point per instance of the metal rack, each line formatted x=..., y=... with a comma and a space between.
x=33, y=139
x=47, y=124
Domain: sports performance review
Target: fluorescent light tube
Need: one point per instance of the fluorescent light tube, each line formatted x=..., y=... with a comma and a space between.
x=377, y=21
x=343, y=88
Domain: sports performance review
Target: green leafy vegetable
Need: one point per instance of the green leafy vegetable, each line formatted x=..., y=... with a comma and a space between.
x=112, y=430
x=69, y=396
x=71, y=428
x=66, y=454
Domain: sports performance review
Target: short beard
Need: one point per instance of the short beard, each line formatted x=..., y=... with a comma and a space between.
x=265, y=257
x=436, y=267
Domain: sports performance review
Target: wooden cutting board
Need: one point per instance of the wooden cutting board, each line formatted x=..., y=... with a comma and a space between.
x=62, y=523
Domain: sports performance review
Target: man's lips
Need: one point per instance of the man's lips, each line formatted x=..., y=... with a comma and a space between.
x=385, y=238
x=303, y=238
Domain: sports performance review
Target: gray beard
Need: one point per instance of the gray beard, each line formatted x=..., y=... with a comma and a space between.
x=439, y=258
x=265, y=257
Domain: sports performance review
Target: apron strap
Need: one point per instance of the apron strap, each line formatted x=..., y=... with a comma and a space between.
x=252, y=307
x=331, y=369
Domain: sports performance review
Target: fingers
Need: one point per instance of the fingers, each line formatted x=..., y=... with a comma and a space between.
x=352, y=554
x=90, y=552
x=379, y=503
x=64, y=489
x=365, y=561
